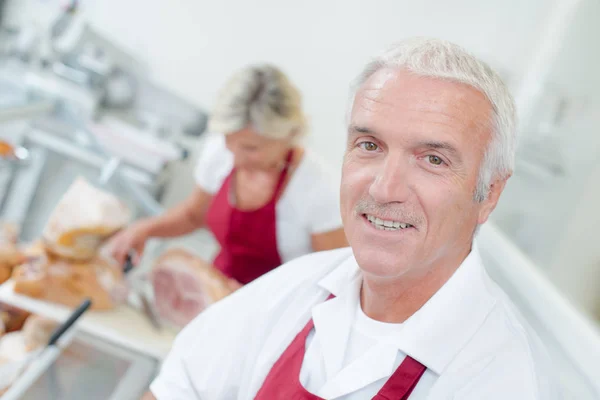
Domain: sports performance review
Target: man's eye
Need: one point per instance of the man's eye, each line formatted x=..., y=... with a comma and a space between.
x=369, y=146
x=435, y=160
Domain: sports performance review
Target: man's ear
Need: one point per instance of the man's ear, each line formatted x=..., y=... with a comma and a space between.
x=488, y=205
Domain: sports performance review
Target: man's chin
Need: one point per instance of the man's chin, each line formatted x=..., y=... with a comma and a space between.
x=382, y=264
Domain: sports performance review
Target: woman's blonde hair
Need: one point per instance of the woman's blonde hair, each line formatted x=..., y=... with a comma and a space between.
x=260, y=96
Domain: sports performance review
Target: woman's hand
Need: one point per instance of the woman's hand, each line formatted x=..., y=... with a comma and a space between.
x=134, y=238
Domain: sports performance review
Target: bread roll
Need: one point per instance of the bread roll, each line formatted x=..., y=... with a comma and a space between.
x=12, y=317
x=37, y=331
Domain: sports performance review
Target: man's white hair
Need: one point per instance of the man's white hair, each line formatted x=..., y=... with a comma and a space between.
x=444, y=60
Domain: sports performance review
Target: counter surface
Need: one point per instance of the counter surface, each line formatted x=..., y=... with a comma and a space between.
x=124, y=326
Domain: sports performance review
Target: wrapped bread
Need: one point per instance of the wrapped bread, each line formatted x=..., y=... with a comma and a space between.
x=66, y=282
x=184, y=285
x=83, y=218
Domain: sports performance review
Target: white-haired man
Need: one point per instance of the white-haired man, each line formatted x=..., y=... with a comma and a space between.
x=408, y=312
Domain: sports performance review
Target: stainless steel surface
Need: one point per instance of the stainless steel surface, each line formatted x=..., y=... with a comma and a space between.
x=59, y=99
x=8, y=167
x=21, y=186
x=70, y=150
x=21, y=154
x=26, y=111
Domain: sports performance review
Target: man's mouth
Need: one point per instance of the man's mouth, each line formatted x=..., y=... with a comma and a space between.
x=386, y=225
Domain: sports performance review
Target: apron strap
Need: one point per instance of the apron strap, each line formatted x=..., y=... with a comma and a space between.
x=402, y=382
x=284, y=173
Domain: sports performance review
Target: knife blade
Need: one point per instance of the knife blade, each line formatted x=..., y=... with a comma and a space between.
x=147, y=307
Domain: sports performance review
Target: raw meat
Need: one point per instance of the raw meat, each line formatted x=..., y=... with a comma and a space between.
x=83, y=218
x=5, y=273
x=12, y=318
x=184, y=285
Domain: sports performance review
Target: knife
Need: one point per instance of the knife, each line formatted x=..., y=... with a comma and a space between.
x=147, y=307
x=10, y=372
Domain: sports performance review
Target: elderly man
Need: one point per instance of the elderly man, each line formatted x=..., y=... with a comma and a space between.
x=408, y=312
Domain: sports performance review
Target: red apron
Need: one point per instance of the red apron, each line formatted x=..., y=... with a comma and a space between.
x=283, y=381
x=248, y=239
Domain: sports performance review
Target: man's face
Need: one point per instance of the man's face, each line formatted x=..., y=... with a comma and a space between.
x=415, y=145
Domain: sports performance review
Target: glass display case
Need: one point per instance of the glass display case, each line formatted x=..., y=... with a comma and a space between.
x=87, y=368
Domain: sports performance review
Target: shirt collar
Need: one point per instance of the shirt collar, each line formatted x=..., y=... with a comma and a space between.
x=437, y=332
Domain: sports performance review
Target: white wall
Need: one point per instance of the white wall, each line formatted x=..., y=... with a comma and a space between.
x=555, y=219
x=193, y=46
x=575, y=267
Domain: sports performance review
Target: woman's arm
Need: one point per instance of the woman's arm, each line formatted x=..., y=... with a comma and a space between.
x=182, y=219
x=177, y=221
x=329, y=240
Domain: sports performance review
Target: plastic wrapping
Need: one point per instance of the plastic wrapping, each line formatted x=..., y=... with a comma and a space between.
x=83, y=218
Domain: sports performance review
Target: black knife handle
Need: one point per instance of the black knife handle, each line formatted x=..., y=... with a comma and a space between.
x=128, y=264
x=70, y=321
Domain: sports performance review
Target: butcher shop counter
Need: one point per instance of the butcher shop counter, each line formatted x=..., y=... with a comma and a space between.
x=123, y=326
x=111, y=355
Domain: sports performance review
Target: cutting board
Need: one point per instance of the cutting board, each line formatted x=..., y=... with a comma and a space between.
x=124, y=325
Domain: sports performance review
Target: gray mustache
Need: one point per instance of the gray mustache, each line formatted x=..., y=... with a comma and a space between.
x=390, y=211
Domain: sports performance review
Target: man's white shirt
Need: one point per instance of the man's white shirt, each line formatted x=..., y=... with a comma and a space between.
x=469, y=336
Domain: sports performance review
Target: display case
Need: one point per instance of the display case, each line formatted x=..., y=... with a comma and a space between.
x=85, y=368
x=91, y=369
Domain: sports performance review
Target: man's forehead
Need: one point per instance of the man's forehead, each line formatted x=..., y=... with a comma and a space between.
x=393, y=98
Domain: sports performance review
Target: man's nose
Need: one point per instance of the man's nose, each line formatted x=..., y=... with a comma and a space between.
x=391, y=181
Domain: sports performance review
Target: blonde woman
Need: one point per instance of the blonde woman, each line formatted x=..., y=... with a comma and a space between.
x=265, y=198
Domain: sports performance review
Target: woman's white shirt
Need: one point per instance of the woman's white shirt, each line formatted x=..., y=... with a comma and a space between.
x=309, y=204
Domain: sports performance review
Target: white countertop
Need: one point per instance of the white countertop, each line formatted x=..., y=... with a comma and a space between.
x=123, y=325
